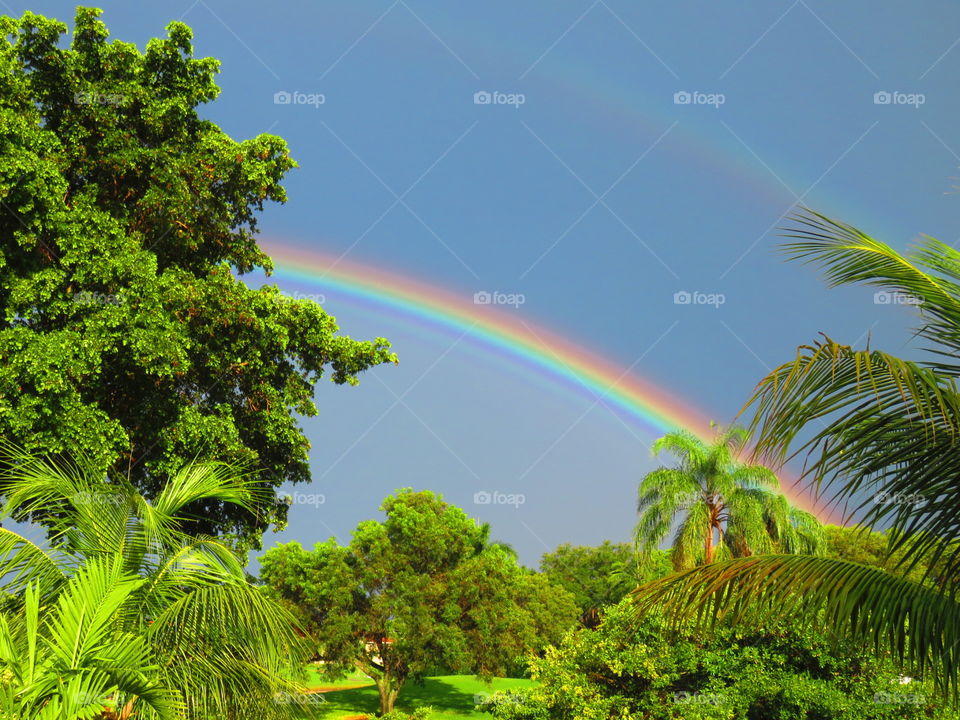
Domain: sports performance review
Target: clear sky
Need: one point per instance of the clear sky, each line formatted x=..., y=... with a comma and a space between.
x=630, y=151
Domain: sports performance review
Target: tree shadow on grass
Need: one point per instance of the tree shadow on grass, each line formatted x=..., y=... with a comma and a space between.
x=444, y=694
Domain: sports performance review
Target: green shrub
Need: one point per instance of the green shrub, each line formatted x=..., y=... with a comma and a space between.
x=640, y=668
x=420, y=713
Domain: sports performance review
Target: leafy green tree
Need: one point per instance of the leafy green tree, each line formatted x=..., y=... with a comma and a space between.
x=748, y=671
x=884, y=436
x=122, y=606
x=126, y=333
x=728, y=508
x=420, y=591
x=601, y=575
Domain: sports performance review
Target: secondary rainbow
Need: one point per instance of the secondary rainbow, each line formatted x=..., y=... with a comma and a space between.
x=509, y=333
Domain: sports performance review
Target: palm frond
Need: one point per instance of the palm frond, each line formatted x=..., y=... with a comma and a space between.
x=689, y=539
x=748, y=531
x=23, y=562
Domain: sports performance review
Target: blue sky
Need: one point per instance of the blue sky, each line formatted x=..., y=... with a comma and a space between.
x=597, y=198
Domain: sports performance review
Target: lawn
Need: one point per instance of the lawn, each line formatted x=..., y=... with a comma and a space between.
x=451, y=696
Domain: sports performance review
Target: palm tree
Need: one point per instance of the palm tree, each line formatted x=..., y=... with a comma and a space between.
x=68, y=662
x=884, y=438
x=171, y=622
x=729, y=508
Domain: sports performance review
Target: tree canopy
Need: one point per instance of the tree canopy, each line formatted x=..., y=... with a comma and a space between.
x=126, y=220
x=422, y=590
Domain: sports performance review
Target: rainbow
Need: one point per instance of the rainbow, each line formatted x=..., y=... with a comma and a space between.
x=550, y=354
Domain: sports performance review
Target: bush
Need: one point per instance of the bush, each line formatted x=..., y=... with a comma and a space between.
x=640, y=668
x=420, y=713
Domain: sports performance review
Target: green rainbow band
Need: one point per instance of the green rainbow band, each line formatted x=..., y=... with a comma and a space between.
x=521, y=340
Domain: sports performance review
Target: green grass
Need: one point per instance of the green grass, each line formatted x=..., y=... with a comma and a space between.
x=451, y=696
x=314, y=679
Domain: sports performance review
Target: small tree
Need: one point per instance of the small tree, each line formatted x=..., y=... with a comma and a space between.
x=421, y=591
x=728, y=508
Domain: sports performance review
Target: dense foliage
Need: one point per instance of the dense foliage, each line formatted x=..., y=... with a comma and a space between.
x=125, y=332
x=421, y=591
x=601, y=575
x=649, y=671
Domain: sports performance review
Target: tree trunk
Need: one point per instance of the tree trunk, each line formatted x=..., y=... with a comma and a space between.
x=383, y=688
x=389, y=689
x=708, y=542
